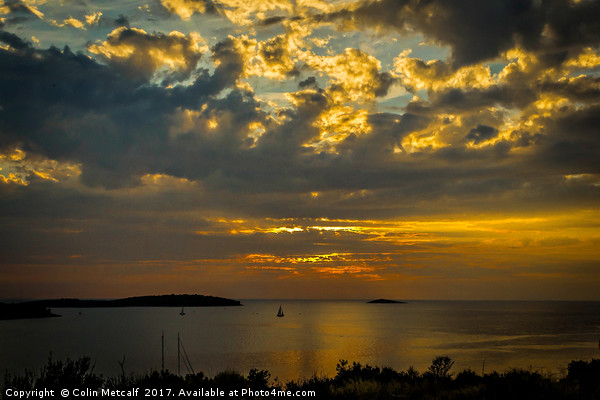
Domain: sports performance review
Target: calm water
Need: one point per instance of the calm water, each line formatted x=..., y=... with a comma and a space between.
x=313, y=336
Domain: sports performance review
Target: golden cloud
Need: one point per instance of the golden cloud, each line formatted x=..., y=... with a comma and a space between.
x=270, y=59
x=241, y=12
x=589, y=58
x=12, y=178
x=75, y=23
x=164, y=180
x=417, y=74
x=356, y=75
x=184, y=8
x=93, y=18
x=337, y=123
x=16, y=167
x=141, y=54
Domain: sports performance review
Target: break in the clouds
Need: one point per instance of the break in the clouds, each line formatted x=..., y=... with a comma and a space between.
x=431, y=149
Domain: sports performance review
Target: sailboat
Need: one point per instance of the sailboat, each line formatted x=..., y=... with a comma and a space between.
x=280, y=312
x=182, y=312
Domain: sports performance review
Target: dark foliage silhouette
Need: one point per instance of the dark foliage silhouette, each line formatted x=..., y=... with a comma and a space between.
x=352, y=381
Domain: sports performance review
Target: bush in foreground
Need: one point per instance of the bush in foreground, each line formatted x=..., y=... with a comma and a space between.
x=352, y=381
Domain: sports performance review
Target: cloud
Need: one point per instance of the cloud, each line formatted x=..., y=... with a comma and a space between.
x=481, y=134
x=65, y=106
x=20, y=9
x=478, y=31
x=298, y=151
x=276, y=53
x=186, y=8
x=436, y=75
x=100, y=20
x=572, y=142
x=93, y=18
x=274, y=58
x=356, y=75
x=141, y=55
x=12, y=178
x=246, y=13
x=310, y=82
x=122, y=20
x=72, y=22
x=328, y=141
x=13, y=40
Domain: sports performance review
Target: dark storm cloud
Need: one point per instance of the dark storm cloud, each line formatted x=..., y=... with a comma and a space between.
x=468, y=99
x=388, y=130
x=572, y=145
x=481, y=133
x=582, y=88
x=13, y=40
x=482, y=30
x=397, y=126
x=278, y=162
x=462, y=100
x=383, y=83
x=65, y=106
x=229, y=70
x=525, y=138
x=310, y=82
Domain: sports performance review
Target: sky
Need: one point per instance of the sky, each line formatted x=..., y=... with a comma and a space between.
x=405, y=149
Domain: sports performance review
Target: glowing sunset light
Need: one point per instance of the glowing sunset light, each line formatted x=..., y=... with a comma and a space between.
x=315, y=149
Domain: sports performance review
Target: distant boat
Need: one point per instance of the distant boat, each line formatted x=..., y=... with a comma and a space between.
x=182, y=312
x=280, y=312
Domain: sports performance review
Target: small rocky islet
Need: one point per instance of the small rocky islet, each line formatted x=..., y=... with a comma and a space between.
x=385, y=301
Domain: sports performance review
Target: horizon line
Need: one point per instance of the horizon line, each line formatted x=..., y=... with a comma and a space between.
x=296, y=299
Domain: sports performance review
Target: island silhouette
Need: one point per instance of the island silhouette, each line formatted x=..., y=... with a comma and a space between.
x=385, y=301
x=41, y=308
x=24, y=310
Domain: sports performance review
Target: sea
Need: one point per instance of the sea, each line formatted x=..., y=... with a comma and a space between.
x=312, y=337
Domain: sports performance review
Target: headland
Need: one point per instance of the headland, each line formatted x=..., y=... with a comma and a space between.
x=40, y=308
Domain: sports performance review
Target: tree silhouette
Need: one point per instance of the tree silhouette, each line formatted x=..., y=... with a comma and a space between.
x=440, y=366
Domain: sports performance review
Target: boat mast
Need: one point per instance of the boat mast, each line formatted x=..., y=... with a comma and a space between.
x=178, y=356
